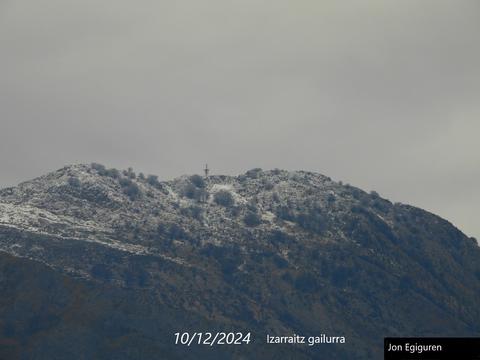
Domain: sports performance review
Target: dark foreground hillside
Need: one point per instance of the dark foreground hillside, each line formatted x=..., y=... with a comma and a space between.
x=99, y=264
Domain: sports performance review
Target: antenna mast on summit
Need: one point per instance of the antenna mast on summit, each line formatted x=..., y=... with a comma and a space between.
x=206, y=170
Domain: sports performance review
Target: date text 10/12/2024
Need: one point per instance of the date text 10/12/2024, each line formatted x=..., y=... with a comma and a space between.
x=239, y=338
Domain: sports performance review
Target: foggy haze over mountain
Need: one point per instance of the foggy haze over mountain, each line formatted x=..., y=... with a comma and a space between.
x=383, y=95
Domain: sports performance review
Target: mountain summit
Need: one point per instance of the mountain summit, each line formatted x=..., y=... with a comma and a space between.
x=110, y=264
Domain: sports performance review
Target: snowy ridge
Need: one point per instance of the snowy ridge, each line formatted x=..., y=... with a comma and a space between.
x=82, y=206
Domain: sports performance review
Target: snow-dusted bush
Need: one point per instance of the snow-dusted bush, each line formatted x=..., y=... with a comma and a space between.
x=197, y=181
x=252, y=219
x=73, y=181
x=153, y=180
x=224, y=198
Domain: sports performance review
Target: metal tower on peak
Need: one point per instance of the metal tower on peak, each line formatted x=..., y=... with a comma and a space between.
x=206, y=170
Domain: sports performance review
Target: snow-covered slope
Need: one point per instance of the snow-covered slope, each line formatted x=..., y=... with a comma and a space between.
x=90, y=203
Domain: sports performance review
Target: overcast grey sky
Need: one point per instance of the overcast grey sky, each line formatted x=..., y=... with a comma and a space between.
x=381, y=94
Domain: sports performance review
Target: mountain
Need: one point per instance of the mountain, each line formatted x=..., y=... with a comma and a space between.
x=100, y=263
